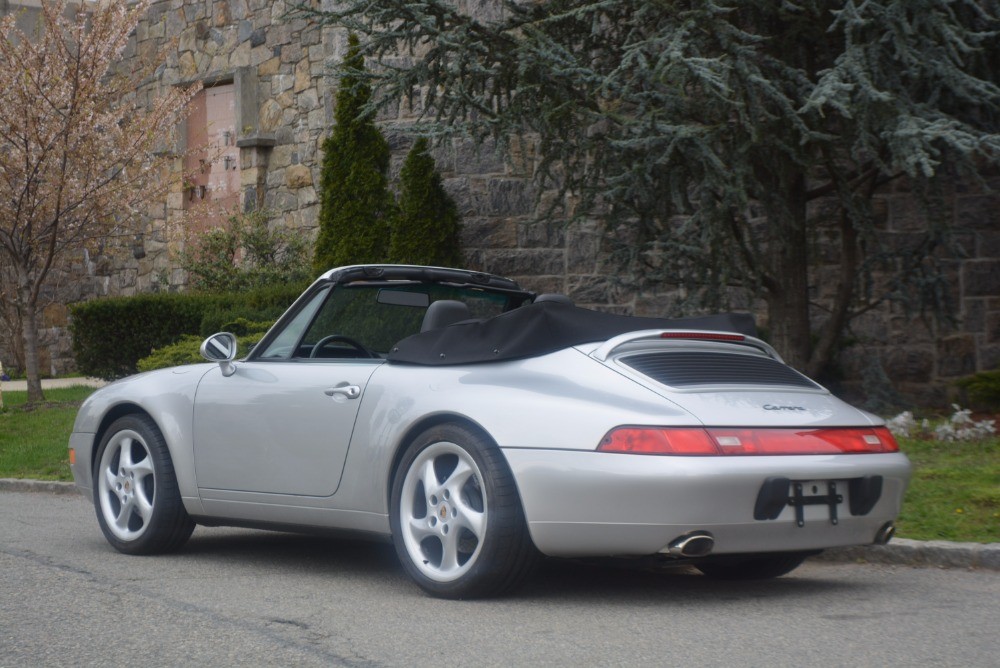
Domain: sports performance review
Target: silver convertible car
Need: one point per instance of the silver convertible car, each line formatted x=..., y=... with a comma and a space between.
x=479, y=426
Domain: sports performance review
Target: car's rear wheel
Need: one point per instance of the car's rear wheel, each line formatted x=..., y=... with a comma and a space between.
x=456, y=517
x=135, y=489
x=762, y=567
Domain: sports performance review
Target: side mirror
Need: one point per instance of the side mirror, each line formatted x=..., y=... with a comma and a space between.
x=221, y=348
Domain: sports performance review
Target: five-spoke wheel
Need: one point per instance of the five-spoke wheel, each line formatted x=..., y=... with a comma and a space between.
x=135, y=491
x=457, y=521
x=443, y=512
x=127, y=485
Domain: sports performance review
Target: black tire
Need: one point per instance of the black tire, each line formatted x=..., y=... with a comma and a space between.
x=763, y=567
x=136, y=497
x=456, y=517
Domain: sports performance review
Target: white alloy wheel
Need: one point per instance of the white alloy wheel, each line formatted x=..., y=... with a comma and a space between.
x=456, y=517
x=127, y=484
x=443, y=512
x=136, y=496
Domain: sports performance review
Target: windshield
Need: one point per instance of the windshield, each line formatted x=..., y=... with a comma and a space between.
x=365, y=320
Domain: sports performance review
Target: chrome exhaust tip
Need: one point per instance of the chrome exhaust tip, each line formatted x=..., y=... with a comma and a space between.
x=885, y=534
x=692, y=544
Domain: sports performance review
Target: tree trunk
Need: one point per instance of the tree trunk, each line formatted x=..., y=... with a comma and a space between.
x=830, y=332
x=29, y=331
x=788, y=303
x=788, y=316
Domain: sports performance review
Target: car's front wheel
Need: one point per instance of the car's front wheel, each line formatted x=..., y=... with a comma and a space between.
x=135, y=489
x=762, y=567
x=456, y=517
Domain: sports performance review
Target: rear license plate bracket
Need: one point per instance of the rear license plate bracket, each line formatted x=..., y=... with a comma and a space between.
x=798, y=500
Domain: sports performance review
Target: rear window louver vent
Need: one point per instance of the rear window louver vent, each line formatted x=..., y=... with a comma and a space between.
x=687, y=369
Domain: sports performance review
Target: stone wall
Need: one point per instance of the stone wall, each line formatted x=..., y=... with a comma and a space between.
x=285, y=88
x=919, y=356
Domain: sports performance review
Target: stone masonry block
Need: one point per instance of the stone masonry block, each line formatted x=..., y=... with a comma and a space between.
x=909, y=364
x=481, y=232
x=509, y=197
x=905, y=214
x=981, y=278
x=541, y=234
x=978, y=212
x=525, y=262
x=956, y=355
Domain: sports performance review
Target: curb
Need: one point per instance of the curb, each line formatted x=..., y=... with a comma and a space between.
x=932, y=554
x=900, y=552
x=49, y=486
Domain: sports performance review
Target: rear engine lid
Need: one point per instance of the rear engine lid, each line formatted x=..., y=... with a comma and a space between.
x=726, y=379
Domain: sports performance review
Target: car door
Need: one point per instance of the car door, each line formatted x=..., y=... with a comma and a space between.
x=281, y=422
x=277, y=427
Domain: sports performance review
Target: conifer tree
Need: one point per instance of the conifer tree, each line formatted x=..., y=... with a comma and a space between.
x=426, y=228
x=706, y=132
x=355, y=202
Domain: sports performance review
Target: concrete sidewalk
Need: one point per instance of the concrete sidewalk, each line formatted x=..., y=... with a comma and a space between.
x=50, y=383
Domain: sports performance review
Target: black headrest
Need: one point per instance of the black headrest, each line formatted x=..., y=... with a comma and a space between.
x=444, y=312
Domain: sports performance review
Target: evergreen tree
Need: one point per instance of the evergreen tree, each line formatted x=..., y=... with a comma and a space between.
x=426, y=229
x=355, y=202
x=708, y=130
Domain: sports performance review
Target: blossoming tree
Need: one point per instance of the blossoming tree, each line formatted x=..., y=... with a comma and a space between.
x=78, y=158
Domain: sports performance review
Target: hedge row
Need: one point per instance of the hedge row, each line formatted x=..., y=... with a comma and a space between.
x=111, y=335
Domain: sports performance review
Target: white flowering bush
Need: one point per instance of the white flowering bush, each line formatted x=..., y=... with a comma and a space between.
x=959, y=427
x=904, y=424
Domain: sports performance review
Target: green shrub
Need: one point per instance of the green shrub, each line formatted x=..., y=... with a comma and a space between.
x=246, y=254
x=983, y=390
x=261, y=305
x=355, y=202
x=186, y=350
x=266, y=298
x=243, y=327
x=182, y=351
x=223, y=320
x=111, y=335
x=425, y=230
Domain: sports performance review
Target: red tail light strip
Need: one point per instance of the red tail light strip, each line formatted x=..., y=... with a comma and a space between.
x=694, y=441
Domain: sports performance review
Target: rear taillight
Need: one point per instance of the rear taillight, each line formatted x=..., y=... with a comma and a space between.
x=695, y=441
x=652, y=441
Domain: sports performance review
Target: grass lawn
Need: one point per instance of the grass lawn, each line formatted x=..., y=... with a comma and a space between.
x=954, y=494
x=34, y=440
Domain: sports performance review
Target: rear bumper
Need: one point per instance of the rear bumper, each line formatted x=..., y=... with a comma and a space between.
x=601, y=504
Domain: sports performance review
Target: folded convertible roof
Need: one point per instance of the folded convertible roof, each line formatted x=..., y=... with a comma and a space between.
x=541, y=328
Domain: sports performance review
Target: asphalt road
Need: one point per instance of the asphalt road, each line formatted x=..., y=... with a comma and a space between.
x=236, y=597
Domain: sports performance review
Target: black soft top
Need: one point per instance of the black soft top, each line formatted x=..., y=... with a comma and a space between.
x=541, y=328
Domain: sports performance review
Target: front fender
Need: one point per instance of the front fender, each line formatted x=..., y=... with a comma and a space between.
x=167, y=396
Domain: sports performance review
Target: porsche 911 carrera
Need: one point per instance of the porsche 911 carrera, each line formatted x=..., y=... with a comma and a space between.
x=479, y=426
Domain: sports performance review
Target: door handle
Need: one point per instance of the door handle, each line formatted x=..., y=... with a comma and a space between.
x=349, y=391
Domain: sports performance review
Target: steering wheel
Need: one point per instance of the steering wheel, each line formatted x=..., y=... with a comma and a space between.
x=342, y=339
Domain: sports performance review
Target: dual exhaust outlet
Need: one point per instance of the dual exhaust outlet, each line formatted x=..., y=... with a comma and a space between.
x=691, y=544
